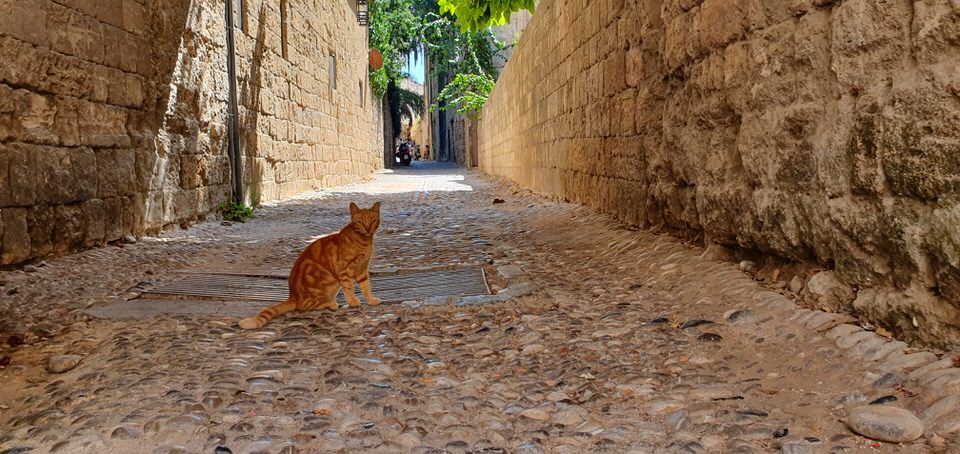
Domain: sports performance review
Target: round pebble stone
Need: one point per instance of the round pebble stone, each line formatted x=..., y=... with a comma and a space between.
x=62, y=363
x=709, y=337
x=885, y=423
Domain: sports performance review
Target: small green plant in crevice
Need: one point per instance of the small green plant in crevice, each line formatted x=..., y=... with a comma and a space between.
x=235, y=211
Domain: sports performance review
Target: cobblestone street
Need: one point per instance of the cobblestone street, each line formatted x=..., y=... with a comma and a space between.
x=604, y=339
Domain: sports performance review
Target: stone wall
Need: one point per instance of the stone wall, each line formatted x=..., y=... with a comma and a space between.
x=112, y=113
x=509, y=35
x=824, y=132
x=408, y=127
x=377, y=135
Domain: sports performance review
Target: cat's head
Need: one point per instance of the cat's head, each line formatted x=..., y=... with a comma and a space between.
x=365, y=221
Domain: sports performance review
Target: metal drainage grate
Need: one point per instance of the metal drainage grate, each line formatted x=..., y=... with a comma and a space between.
x=391, y=288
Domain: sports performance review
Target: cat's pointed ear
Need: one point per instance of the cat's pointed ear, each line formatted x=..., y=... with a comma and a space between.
x=354, y=209
x=376, y=207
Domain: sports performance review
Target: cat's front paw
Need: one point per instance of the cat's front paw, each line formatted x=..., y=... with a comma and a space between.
x=374, y=301
x=353, y=302
x=250, y=323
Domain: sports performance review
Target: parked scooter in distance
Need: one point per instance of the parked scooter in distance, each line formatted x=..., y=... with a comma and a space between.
x=403, y=154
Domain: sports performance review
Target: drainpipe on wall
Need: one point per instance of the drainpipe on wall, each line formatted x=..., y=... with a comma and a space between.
x=233, y=129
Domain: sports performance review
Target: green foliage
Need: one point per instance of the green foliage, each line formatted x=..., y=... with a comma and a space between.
x=475, y=15
x=460, y=54
x=395, y=31
x=467, y=57
x=379, y=80
x=453, y=51
x=468, y=93
x=235, y=211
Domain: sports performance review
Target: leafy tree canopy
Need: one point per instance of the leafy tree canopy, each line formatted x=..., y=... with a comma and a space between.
x=395, y=31
x=467, y=93
x=464, y=57
x=475, y=15
x=456, y=36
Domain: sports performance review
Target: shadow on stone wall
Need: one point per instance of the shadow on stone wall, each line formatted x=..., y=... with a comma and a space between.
x=118, y=128
x=107, y=159
x=822, y=136
x=250, y=99
x=181, y=161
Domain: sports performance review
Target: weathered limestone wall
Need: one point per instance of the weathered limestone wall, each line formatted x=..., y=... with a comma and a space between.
x=112, y=113
x=376, y=126
x=820, y=131
x=509, y=35
x=302, y=133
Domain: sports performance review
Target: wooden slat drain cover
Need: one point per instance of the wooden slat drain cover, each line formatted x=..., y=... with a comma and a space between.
x=389, y=288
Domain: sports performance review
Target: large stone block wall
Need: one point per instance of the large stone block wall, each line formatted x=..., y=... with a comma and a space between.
x=820, y=131
x=301, y=133
x=112, y=113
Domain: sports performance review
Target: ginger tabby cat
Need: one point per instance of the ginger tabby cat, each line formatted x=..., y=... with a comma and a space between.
x=327, y=265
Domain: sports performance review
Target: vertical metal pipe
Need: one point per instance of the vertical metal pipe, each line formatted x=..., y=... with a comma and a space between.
x=233, y=129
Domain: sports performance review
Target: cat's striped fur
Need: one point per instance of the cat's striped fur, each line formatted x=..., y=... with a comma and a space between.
x=328, y=264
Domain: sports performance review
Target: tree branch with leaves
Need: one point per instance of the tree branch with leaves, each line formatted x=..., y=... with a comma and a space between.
x=456, y=36
x=475, y=15
x=466, y=57
x=395, y=31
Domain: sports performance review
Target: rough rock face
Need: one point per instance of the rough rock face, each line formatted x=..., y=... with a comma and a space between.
x=112, y=113
x=826, y=291
x=820, y=131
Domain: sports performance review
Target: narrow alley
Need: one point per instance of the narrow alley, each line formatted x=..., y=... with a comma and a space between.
x=644, y=227
x=607, y=339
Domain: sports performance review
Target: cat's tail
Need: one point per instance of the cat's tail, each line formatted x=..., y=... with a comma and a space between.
x=268, y=314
